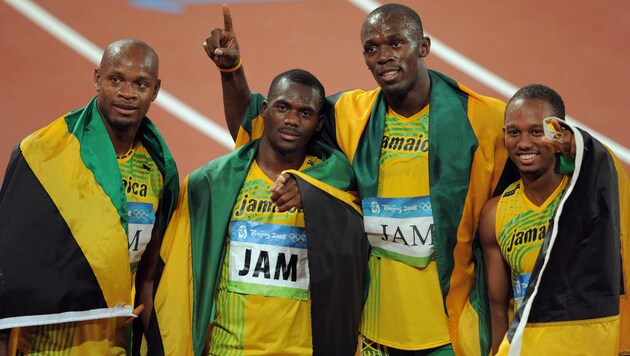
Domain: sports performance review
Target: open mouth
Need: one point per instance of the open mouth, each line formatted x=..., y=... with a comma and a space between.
x=389, y=74
x=526, y=157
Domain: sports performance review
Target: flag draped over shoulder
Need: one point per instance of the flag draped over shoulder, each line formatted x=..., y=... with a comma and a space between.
x=63, y=223
x=194, y=248
x=576, y=300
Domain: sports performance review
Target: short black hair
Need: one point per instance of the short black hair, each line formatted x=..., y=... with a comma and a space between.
x=542, y=92
x=298, y=76
x=409, y=13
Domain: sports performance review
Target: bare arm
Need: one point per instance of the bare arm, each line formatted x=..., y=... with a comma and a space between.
x=222, y=48
x=497, y=273
x=146, y=276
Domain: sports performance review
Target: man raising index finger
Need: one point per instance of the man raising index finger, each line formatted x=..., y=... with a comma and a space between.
x=427, y=152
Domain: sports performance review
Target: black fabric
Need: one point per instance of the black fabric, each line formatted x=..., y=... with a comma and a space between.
x=51, y=260
x=338, y=252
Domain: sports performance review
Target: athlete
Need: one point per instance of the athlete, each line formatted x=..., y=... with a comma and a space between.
x=260, y=279
x=546, y=207
x=83, y=207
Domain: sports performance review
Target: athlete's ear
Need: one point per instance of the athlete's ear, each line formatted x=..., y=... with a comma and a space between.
x=263, y=108
x=97, y=79
x=320, y=124
x=156, y=89
x=425, y=46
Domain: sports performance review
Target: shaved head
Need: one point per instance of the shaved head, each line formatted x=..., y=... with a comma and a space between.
x=117, y=50
x=380, y=14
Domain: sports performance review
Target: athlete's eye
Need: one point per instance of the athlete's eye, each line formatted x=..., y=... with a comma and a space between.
x=369, y=49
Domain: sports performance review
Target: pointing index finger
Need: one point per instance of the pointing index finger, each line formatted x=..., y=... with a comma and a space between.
x=227, y=19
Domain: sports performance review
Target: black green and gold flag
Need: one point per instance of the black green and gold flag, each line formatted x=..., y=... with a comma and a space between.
x=63, y=223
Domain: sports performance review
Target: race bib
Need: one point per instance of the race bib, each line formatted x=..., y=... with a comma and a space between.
x=139, y=228
x=520, y=286
x=400, y=229
x=268, y=259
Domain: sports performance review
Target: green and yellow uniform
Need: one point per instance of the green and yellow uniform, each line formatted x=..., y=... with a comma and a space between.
x=262, y=300
x=521, y=227
x=399, y=224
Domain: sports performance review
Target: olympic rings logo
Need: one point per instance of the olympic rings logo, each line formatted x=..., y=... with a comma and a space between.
x=297, y=237
x=139, y=213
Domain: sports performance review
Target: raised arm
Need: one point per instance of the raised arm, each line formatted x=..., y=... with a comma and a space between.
x=497, y=273
x=222, y=48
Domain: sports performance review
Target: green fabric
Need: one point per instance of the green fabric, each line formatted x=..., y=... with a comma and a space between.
x=212, y=193
x=253, y=110
x=565, y=165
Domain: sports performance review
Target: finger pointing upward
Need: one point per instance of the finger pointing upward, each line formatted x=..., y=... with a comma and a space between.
x=227, y=19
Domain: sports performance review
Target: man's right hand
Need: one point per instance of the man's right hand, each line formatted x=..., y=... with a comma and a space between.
x=221, y=46
x=285, y=193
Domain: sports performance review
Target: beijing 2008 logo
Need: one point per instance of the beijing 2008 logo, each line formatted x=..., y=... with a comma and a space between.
x=375, y=207
x=241, y=231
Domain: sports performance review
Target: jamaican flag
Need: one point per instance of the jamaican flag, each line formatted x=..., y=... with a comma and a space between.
x=576, y=301
x=63, y=223
x=194, y=246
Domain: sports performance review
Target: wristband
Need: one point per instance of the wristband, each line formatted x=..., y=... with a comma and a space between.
x=233, y=69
